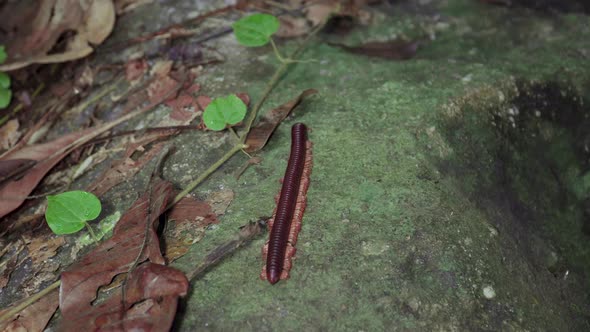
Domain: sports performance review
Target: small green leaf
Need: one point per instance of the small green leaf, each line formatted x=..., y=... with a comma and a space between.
x=5, y=96
x=223, y=111
x=68, y=212
x=255, y=30
x=2, y=54
x=4, y=80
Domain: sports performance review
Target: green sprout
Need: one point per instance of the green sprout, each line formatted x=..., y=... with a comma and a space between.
x=224, y=111
x=255, y=30
x=5, y=93
x=69, y=212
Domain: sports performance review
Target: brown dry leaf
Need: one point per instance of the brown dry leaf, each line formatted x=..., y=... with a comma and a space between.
x=33, y=31
x=152, y=289
x=35, y=317
x=186, y=225
x=9, y=134
x=160, y=87
x=398, y=49
x=185, y=107
x=260, y=133
x=13, y=193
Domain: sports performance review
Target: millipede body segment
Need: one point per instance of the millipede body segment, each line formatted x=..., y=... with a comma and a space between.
x=285, y=223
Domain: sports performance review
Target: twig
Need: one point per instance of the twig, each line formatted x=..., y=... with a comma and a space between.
x=246, y=234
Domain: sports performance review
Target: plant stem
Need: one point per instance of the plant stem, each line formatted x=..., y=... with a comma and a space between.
x=233, y=132
x=274, y=80
x=278, y=54
x=92, y=235
x=27, y=302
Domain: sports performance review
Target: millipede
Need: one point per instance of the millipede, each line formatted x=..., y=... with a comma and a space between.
x=285, y=223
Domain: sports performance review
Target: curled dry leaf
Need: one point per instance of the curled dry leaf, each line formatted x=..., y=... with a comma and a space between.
x=152, y=289
x=260, y=133
x=33, y=31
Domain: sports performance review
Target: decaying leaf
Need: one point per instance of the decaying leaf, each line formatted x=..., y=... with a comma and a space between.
x=260, y=134
x=32, y=31
x=398, y=49
x=34, y=317
x=152, y=289
x=186, y=225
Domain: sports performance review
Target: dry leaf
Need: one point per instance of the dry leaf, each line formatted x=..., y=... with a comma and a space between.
x=31, y=32
x=14, y=192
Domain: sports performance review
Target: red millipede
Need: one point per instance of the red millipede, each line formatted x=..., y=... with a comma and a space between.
x=285, y=223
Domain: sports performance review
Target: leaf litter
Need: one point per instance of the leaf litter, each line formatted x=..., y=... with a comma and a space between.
x=154, y=285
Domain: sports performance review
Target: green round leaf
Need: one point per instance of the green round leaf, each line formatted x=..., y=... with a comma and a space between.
x=255, y=30
x=4, y=80
x=68, y=212
x=2, y=54
x=223, y=111
x=5, y=96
